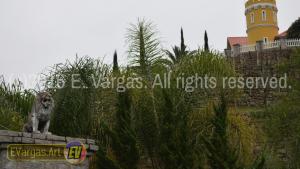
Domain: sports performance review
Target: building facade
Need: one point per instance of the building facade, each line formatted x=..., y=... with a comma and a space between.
x=261, y=17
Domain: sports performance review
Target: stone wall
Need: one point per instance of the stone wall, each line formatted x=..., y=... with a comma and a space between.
x=11, y=137
x=261, y=63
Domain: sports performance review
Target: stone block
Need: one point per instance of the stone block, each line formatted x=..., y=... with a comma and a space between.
x=39, y=141
x=69, y=139
x=38, y=136
x=17, y=139
x=24, y=134
x=58, y=142
x=55, y=137
x=9, y=133
x=5, y=139
x=3, y=132
x=27, y=140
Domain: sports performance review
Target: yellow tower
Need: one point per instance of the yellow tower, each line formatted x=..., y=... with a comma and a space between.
x=261, y=18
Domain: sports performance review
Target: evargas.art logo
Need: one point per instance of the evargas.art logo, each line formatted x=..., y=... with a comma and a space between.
x=75, y=152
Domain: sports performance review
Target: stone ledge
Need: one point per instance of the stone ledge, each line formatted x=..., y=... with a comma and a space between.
x=6, y=139
x=39, y=141
x=13, y=137
x=9, y=133
x=26, y=140
x=76, y=139
x=55, y=137
x=39, y=136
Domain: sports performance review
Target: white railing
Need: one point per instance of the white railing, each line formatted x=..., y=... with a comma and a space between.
x=293, y=42
x=271, y=45
x=247, y=48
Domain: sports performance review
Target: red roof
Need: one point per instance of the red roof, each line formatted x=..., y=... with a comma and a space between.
x=237, y=40
x=283, y=34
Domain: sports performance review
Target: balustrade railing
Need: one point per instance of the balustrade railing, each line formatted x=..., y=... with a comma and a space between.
x=271, y=45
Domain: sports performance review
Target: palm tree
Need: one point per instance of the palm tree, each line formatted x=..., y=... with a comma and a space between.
x=145, y=55
x=144, y=47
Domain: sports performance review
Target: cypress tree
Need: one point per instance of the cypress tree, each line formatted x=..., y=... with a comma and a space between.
x=220, y=155
x=176, y=151
x=115, y=62
x=178, y=52
x=206, y=47
x=219, y=152
x=182, y=45
x=123, y=136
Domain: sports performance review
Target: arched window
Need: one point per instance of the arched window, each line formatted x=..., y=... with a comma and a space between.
x=252, y=17
x=264, y=15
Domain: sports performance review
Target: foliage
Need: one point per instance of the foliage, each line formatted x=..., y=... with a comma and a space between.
x=146, y=123
x=178, y=52
x=181, y=123
x=144, y=46
x=146, y=58
x=123, y=136
x=15, y=104
x=104, y=162
x=16, y=98
x=10, y=120
x=207, y=69
x=243, y=135
x=282, y=119
x=73, y=112
x=169, y=128
x=177, y=145
x=294, y=30
x=219, y=153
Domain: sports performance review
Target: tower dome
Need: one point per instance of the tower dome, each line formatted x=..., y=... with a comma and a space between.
x=261, y=18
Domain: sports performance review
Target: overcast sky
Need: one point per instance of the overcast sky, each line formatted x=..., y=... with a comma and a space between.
x=35, y=34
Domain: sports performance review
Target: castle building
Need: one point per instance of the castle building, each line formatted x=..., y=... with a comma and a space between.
x=262, y=25
x=261, y=17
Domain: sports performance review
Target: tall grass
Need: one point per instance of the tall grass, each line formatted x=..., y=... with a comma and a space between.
x=15, y=104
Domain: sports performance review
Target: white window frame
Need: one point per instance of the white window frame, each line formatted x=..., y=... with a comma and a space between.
x=252, y=17
x=263, y=15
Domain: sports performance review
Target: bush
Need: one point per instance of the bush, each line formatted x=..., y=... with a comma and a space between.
x=294, y=30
